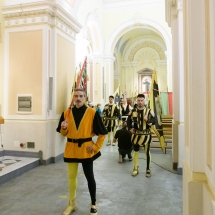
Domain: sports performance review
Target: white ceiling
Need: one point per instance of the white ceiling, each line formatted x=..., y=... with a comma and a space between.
x=138, y=33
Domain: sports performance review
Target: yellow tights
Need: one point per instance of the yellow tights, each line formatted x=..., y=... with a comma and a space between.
x=113, y=131
x=135, y=159
x=72, y=173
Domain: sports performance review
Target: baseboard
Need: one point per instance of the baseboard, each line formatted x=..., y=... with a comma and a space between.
x=24, y=154
x=32, y=155
x=180, y=171
x=52, y=159
x=175, y=166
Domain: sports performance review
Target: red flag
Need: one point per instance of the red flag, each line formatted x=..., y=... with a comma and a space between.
x=78, y=83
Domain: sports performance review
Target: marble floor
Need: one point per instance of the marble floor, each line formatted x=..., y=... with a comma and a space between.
x=43, y=190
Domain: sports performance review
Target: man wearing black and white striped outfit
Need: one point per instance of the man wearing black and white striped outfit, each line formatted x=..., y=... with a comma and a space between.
x=139, y=122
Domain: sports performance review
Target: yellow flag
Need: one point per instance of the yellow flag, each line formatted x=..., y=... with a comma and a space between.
x=117, y=96
x=154, y=104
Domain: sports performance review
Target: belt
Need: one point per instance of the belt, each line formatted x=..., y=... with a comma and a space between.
x=110, y=118
x=79, y=141
x=144, y=132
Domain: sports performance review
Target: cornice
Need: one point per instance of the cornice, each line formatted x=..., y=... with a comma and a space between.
x=129, y=64
x=44, y=12
x=114, y=5
x=161, y=63
x=103, y=58
x=172, y=9
x=145, y=71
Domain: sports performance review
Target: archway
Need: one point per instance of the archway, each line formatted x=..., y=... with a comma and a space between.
x=143, y=23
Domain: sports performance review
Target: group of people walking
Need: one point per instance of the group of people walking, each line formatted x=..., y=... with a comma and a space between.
x=80, y=123
x=136, y=123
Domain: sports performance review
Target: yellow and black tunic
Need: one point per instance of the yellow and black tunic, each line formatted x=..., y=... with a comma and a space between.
x=83, y=124
x=110, y=114
x=136, y=120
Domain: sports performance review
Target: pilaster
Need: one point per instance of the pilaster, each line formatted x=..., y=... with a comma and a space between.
x=40, y=49
x=104, y=70
x=174, y=17
x=199, y=177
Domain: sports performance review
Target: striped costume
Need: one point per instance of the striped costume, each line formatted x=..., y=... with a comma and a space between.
x=142, y=135
x=111, y=113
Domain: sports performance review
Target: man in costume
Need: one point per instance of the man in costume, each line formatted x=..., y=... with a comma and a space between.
x=126, y=108
x=139, y=121
x=111, y=113
x=79, y=125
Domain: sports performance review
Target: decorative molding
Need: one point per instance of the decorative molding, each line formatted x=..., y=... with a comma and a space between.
x=172, y=9
x=147, y=44
x=116, y=75
x=161, y=63
x=130, y=25
x=132, y=64
x=115, y=5
x=103, y=58
x=145, y=71
x=40, y=13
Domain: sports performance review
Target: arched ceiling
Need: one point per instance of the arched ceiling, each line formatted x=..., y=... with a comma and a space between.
x=126, y=40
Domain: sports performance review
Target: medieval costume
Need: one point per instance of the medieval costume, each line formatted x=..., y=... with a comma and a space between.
x=83, y=124
x=142, y=135
x=125, y=110
x=111, y=113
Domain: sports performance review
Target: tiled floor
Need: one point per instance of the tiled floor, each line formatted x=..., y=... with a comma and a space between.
x=43, y=190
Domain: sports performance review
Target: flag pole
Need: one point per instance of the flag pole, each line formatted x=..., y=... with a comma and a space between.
x=74, y=84
x=77, y=85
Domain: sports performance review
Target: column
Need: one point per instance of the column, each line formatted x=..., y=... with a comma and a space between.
x=198, y=164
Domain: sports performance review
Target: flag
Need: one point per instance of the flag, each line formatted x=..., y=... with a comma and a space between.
x=170, y=102
x=74, y=85
x=78, y=84
x=154, y=104
x=117, y=96
x=82, y=78
x=164, y=103
x=83, y=83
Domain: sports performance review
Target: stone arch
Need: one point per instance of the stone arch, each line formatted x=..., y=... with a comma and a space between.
x=147, y=42
x=144, y=23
